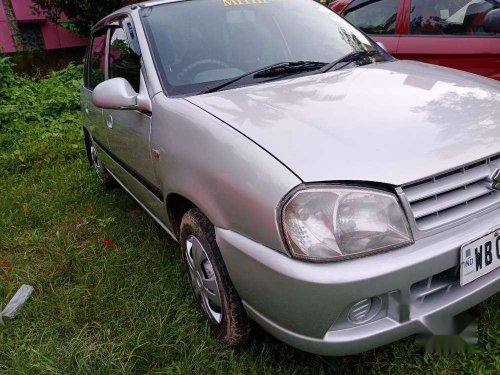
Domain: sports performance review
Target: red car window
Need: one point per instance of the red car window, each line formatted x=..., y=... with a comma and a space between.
x=373, y=16
x=449, y=17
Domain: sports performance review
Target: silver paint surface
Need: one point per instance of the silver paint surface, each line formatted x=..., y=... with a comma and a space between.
x=392, y=122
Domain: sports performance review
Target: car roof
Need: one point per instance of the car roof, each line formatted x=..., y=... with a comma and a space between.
x=132, y=7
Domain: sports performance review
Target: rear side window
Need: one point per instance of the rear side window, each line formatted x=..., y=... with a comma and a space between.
x=449, y=17
x=97, y=63
x=123, y=61
x=373, y=16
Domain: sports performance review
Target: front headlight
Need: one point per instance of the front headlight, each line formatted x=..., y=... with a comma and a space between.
x=337, y=222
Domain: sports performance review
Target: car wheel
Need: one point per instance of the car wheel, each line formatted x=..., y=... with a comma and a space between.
x=103, y=175
x=214, y=292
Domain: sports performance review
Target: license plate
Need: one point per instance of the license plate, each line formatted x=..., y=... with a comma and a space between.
x=479, y=257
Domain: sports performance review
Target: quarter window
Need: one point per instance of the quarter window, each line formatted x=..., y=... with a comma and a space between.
x=97, y=62
x=123, y=61
x=373, y=16
x=449, y=17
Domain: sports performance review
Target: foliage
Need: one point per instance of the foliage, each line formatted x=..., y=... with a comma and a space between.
x=82, y=14
x=7, y=76
x=38, y=117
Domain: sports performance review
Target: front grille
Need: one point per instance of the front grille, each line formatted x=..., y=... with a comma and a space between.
x=449, y=197
x=435, y=285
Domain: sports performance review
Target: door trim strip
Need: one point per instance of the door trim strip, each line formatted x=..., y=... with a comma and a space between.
x=155, y=190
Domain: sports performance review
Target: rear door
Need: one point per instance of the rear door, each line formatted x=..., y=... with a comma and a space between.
x=378, y=18
x=450, y=33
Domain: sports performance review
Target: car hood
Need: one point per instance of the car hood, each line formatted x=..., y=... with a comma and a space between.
x=393, y=122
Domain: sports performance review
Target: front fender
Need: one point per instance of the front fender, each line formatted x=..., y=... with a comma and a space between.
x=235, y=182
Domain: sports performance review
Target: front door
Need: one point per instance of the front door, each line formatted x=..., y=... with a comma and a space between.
x=450, y=33
x=130, y=129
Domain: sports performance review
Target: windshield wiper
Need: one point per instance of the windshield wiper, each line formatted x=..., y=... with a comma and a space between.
x=347, y=59
x=289, y=68
x=275, y=70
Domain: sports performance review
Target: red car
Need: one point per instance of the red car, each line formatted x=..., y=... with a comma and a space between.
x=460, y=34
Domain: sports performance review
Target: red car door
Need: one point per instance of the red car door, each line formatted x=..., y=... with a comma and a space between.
x=450, y=33
x=381, y=19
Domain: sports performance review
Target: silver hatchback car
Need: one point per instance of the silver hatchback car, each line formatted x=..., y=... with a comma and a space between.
x=338, y=197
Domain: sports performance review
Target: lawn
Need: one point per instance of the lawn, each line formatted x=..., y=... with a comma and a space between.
x=111, y=295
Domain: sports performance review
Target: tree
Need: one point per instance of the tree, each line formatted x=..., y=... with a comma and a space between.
x=82, y=14
x=14, y=28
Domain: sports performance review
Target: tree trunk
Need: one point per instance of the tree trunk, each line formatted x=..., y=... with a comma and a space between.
x=14, y=28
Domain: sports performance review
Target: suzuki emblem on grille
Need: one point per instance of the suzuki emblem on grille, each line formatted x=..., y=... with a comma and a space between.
x=496, y=180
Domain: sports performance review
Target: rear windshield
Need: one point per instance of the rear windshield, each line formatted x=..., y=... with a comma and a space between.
x=198, y=43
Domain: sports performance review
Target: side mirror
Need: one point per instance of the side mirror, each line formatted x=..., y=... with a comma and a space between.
x=492, y=22
x=115, y=93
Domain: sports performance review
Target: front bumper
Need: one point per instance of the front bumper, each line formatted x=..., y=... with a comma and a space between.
x=306, y=304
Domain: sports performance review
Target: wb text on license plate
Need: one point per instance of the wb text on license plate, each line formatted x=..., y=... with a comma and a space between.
x=479, y=257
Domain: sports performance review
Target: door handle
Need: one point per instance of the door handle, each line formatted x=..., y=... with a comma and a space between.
x=109, y=121
x=155, y=153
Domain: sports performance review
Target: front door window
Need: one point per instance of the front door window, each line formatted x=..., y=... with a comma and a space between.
x=450, y=17
x=123, y=61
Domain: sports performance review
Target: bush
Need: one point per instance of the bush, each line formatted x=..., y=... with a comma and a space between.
x=32, y=101
x=39, y=119
x=7, y=77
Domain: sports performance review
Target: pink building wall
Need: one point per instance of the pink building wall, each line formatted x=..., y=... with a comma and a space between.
x=23, y=12
x=54, y=35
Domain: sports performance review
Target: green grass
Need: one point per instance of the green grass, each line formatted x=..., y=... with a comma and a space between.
x=128, y=309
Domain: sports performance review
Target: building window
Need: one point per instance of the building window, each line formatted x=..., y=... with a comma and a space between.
x=32, y=36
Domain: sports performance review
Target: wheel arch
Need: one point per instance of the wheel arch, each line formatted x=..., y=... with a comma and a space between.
x=177, y=205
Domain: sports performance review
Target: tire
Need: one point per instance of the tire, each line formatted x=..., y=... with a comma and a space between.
x=214, y=292
x=103, y=176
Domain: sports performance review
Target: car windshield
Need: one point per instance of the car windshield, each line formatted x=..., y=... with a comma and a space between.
x=200, y=44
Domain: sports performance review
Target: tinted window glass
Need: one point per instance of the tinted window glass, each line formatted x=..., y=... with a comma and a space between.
x=373, y=16
x=198, y=43
x=123, y=61
x=448, y=17
x=97, y=61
